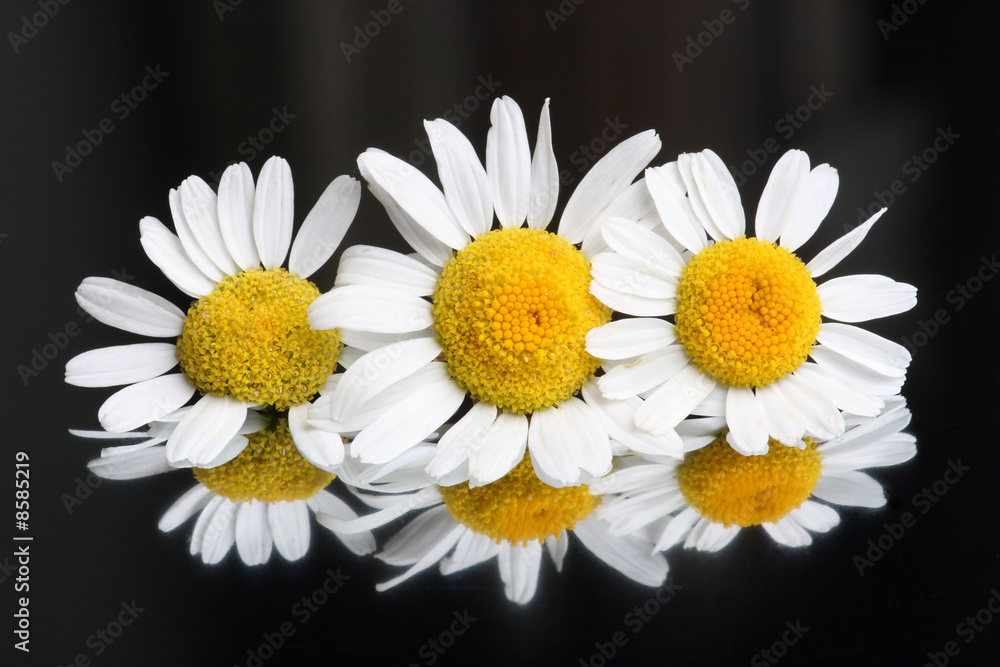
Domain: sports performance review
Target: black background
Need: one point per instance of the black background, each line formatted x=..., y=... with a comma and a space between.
x=892, y=90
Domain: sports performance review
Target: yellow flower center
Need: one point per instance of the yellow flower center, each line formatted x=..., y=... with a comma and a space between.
x=270, y=470
x=250, y=339
x=511, y=312
x=747, y=312
x=519, y=507
x=729, y=488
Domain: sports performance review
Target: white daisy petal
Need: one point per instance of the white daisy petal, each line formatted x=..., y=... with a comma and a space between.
x=775, y=201
x=421, y=543
x=811, y=202
x=630, y=337
x=831, y=255
x=131, y=465
x=410, y=421
x=377, y=370
x=212, y=422
x=144, y=402
x=273, y=212
x=623, y=275
x=889, y=451
x=289, y=523
x=401, y=504
x=219, y=532
x=474, y=429
x=415, y=194
x=122, y=364
x=129, y=308
x=368, y=265
x=855, y=375
x=715, y=536
x=200, y=206
x=421, y=240
x=557, y=546
x=718, y=195
x=622, y=298
x=866, y=348
x=783, y=422
x=471, y=549
x=850, y=488
x=786, y=531
x=185, y=507
x=544, y=175
x=253, y=535
x=634, y=205
x=324, y=450
x=236, y=195
x=667, y=189
x=634, y=241
x=677, y=529
x=367, y=341
x=815, y=516
x=841, y=394
x=674, y=400
x=501, y=448
x=747, y=431
x=189, y=240
x=859, y=298
x=508, y=162
x=325, y=226
x=519, y=568
x=164, y=249
x=648, y=371
x=605, y=182
x=369, y=308
x=324, y=502
x=230, y=451
x=566, y=440
x=817, y=411
x=463, y=178
x=618, y=418
x=628, y=554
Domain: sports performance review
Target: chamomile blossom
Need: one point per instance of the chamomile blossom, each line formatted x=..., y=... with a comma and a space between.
x=715, y=492
x=514, y=520
x=260, y=500
x=499, y=315
x=748, y=331
x=245, y=343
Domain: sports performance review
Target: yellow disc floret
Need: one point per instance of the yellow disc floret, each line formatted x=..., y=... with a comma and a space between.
x=747, y=312
x=519, y=507
x=250, y=339
x=270, y=470
x=729, y=488
x=511, y=312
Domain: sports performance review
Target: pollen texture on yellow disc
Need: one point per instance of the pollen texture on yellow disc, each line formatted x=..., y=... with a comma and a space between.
x=270, y=470
x=250, y=339
x=730, y=488
x=511, y=312
x=519, y=507
x=747, y=312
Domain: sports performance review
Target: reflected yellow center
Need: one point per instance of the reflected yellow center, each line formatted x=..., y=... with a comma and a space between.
x=730, y=488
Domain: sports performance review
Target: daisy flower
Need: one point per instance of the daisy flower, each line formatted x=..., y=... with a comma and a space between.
x=715, y=492
x=499, y=316
x=513, y=519
x=748, y=329
x=258, y=500
x=246, y=342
